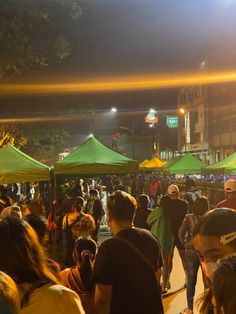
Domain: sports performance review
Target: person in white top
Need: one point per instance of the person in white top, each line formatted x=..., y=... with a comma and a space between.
x=51, y=298
x=9, y=295
x=25, y=261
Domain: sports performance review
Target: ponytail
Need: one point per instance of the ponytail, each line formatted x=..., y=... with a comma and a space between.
x=86, y=269
x=84, y=254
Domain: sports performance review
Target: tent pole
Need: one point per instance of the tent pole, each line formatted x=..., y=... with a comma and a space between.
x=52, y=193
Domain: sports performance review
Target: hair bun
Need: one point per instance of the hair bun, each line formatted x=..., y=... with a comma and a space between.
x=86, y=253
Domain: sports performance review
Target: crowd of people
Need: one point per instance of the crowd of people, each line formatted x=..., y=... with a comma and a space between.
x=131, y=270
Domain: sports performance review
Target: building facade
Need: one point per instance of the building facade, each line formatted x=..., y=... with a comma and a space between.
x=207, y=124
x=222, y=126
x=194, y=122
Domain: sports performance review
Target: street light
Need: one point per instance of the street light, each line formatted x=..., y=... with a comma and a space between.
x=113, y=109
x=182, y=110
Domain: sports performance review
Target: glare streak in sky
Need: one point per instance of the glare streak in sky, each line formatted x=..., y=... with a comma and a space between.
x=119, y=84
x=69, y=117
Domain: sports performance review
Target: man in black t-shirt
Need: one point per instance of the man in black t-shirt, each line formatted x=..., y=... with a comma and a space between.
x=126, y=274
x=175, y=210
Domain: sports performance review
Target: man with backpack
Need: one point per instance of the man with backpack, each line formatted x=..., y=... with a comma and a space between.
x=127, y=266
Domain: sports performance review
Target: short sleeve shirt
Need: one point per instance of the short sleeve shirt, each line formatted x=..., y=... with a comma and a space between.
x=134, y=285
x=228, y=203
x=176, y=211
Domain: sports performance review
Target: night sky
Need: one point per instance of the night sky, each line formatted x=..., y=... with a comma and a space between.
x=126, y=37
x=136, y=36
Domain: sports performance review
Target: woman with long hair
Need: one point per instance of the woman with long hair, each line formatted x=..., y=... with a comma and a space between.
x=214, y=238
x=79, y=277
x=199, y=208
x=24, y=260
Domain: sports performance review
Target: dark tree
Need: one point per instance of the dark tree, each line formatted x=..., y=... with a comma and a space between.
x=35, y=33
x=45, y=144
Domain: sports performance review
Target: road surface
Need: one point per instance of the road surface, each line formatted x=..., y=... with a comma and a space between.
x=176, y=303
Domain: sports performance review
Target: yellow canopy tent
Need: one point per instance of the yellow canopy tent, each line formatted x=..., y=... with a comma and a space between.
x=154, y=163
x=143, y=163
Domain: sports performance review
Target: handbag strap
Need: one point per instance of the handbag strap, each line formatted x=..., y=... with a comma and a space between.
x=137, y=251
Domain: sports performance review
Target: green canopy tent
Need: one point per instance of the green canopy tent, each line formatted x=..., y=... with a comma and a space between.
x=223, y=167
x=94, y=158
x=187, y=164
x=15, y=166
x=169, y=164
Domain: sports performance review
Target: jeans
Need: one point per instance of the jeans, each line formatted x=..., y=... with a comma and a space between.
x=192, y=266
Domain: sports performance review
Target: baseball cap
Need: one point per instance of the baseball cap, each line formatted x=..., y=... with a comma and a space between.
x=173, y=189
x=230, y=186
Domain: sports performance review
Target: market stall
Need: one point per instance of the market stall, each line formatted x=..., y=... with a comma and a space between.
x=154, y=163
x=187, y=164
x=223, y=167
x=16, y=166
x=94, y=158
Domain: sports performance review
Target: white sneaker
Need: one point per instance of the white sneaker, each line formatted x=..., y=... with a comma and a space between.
x=186, y=311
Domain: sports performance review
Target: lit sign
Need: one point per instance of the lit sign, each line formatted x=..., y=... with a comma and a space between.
x=151, y=118
x=187, y=127
x=172, y=122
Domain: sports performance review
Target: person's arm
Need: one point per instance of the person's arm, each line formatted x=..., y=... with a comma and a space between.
x=182, y=230
x=159, y=262
x=158, y=275
x=103, y=277
x=102, y=299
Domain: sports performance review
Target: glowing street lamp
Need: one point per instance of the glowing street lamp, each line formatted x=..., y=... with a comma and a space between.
x=113, y=109
x=182, y=110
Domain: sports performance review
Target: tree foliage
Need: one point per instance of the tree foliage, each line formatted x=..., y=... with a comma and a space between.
x=34, y=33
x=45, y=144
x=10, y=133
